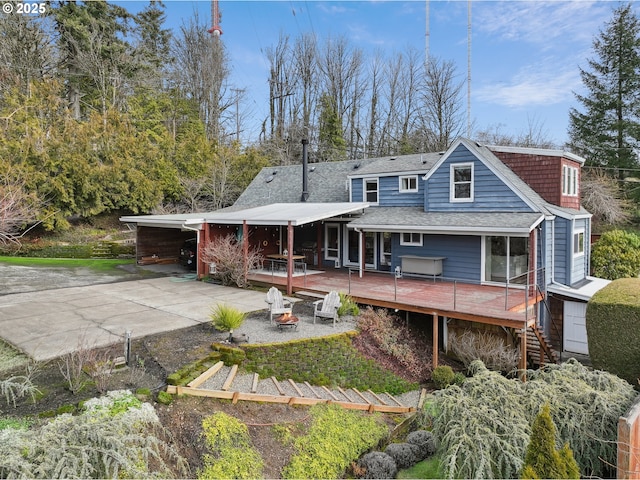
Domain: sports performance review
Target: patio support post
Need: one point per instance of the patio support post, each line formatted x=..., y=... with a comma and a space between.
x=289, y=258
x=362, y=252
x=319, y=243
x=245, y=248
x=435, y=339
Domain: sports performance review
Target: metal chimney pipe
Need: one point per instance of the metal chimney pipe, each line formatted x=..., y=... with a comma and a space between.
x=305, y=180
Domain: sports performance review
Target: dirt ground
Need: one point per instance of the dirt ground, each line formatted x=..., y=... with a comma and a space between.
x=154, y=357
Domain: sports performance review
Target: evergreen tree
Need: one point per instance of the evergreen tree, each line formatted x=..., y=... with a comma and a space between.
x=332, y=143
x=543, y=460
x=152, y=46
x=607, y=131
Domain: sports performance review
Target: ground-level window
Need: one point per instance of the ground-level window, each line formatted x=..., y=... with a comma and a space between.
x=578, y=243
x=411, y=238
x=332, y=241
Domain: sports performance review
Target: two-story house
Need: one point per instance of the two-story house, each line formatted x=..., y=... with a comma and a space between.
x=484, y=216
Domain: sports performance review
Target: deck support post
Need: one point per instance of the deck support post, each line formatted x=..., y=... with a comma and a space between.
x=289, y=258
x=245, y=248
x=435, y=340
x=523, y=353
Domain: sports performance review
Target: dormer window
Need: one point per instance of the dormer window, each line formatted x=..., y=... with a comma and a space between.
x=461, y=182
x=569, y=181
x=371, y=190
x=408, y=184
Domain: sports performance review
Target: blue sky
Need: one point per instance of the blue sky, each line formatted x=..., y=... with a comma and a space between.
x=525, y=55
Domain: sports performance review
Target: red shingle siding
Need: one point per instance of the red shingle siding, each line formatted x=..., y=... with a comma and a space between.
x=543, y=174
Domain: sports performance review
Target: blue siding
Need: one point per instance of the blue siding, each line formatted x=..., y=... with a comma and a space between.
x=356, y=190
x=561, y=240
x=462, y=252
x=490, y=193
x=580, y=263
x=547, y=249
x=390, y=196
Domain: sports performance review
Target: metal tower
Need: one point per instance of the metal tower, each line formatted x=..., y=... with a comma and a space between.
x=215, y=19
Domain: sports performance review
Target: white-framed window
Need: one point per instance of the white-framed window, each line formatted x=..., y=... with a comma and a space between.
x=578, y=243
x=332, y=241
x=411, y=238
x=408, y=184
x=461, y=182
x=370, y=190
x=569, y=181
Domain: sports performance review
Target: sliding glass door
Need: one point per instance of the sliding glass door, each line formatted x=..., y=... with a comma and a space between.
x=506, y=259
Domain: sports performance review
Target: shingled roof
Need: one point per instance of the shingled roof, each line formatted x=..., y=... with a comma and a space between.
x=327, y=183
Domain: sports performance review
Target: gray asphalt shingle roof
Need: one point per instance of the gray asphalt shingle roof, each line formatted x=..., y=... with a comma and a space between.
x=421, y=162
x=416, y=219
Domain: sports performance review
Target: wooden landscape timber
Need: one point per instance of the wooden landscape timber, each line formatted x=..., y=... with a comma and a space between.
x=342, y=397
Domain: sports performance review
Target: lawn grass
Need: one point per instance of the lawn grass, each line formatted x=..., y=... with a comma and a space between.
x=429, y=468
x=10, y=358
x=97, y=265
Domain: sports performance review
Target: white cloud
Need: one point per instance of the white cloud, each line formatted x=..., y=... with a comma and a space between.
x=532, y=86
x=541, y=22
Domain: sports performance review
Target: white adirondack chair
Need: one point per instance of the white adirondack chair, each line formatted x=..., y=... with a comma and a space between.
x=277, y=304
x=327, y=307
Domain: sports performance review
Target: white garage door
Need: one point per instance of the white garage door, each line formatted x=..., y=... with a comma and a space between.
x=575, y=328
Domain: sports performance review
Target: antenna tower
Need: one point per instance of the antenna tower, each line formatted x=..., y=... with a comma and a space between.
x=215, y=30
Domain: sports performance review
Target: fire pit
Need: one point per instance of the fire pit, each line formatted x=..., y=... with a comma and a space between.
x=287, y=320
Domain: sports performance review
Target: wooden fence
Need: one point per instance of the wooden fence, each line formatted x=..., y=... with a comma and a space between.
x=628, y=464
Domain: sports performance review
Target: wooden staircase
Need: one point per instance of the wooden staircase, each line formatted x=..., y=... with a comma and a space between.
x=539, y=349
x=221, y=381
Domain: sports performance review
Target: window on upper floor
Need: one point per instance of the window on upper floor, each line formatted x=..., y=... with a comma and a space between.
x=411, y=238
x=578, y=243
x=461, y=182
x=408, y=184
x=371, y=190
x=569, y=180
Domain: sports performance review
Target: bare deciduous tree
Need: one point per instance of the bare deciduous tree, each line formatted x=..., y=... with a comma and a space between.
x=17, y=209
x=228, y=256
x=602, y=197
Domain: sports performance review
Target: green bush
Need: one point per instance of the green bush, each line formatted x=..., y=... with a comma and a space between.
x=616, y=255
x=443, y=376
x=336, y=438
x=613, y=329
x=165, y=398
x=226, y=318
x=231, y=453
x=483, y=427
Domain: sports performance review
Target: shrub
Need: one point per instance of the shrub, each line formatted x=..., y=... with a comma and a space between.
x=165, y=398
x=390, y=335
x=483, y=427
x=404, y=454
x=336, y=437
x=347, y=306
x=226, y=318
x=472, y=345
x=425, y=441
x=378, y=465
x=104, y=441
x=228, y=255
x=616, y=255
x=442, y=376
x=613, y=329
x=542, y=456
x=232, y=455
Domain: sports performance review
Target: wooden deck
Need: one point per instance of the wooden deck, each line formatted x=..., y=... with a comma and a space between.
x=495, y=305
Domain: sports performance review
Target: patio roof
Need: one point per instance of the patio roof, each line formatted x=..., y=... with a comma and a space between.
x=415, y=219
x=165, y=221
x=283, y=213
x=584, y=291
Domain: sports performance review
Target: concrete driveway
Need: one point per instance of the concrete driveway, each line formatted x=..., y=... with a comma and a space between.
x=49, y=323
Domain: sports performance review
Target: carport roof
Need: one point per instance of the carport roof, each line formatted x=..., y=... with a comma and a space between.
x=273, y=214
x=283, y=213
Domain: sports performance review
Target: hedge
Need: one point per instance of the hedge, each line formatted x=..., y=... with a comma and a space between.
x=613, y=329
